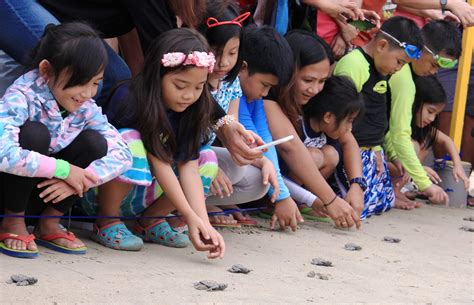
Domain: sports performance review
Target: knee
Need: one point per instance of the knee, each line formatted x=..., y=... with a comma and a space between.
x=317, y=156
x=331, y=156
x=35, y=136
x=208, y=164
x=92, y=143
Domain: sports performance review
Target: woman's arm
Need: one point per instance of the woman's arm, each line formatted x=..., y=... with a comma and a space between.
x=460, y=8
x=353, y=167
x=302, y=166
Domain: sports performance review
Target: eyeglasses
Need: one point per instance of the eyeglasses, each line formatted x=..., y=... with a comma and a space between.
x=412, y=51
x=442, y=62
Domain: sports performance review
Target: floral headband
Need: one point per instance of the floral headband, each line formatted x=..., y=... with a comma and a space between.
x=213, y=22
x=195, y=58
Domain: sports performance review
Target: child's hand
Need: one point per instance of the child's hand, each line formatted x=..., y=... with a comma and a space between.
x=436, y=195
x=343, y=214
x=80, y=179
x=221, y=184
x=269, y=176
x=57, y=190
x=434, y=177
x=217, y=241
x=460, y=175
x=287, y=214
x=338, y=46
x=201, y=238
x=355, y=197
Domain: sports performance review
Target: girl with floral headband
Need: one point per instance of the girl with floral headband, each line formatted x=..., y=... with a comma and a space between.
x=164, y=115
x=233, y=184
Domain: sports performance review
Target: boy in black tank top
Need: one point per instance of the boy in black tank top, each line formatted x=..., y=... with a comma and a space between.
x=398, y=42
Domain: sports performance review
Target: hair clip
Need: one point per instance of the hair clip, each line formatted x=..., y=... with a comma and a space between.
x=195, y=58
x=213, y=22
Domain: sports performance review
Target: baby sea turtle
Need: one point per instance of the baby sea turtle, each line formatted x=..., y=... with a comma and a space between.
x=392, y=240
x=352, y=247
x=239, y=269
x=467, y=229
x=321, y=262
x=22, y=280
x=209, y=285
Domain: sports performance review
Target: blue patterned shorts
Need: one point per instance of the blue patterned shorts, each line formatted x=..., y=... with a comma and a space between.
x=379, y=196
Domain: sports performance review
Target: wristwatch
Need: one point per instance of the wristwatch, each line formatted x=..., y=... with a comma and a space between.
x=360, y=181
x=443, y=5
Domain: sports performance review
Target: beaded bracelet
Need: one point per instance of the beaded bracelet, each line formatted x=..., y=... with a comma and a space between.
x=330, y=202
x=225, y=120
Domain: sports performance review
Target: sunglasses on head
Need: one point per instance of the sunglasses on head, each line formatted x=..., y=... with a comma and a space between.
x=442, y=62
x=412, y=51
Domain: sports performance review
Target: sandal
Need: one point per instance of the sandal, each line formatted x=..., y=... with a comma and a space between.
x=306, y=214
x=116, y=236
x=47, y=240
x=160, y=232
x=15, y=252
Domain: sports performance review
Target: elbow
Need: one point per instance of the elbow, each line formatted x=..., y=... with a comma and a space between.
x=288, y=148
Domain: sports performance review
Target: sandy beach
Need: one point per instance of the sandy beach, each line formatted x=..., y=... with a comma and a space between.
x=433, y=263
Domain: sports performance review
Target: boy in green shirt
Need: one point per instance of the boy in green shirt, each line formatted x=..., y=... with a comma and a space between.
x=398, y=42
x=442, y=48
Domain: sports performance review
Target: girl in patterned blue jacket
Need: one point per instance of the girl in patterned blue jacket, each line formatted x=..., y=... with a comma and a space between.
x=55, y=143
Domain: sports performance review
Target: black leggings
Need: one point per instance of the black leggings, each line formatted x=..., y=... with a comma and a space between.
x=19, y=194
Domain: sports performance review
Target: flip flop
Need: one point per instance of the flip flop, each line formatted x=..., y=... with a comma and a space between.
x=305, y=213
x=47, y=241
x=14, y=252
x=246, y=222
x=225, y=225
x=264, y=214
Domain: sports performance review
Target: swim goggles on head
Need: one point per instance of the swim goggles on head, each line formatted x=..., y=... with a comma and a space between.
x=412, y=51
x=442, y=62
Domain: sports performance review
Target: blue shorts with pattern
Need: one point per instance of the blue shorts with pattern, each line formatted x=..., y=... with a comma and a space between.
x=379, y=196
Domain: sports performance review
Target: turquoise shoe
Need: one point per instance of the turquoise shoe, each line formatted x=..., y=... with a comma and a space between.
x=116, y=236
x=162, y=233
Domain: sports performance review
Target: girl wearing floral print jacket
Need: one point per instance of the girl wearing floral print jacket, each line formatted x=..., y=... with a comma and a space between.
x=55, y=143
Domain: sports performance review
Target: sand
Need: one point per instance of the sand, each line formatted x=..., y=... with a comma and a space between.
x=433, y=263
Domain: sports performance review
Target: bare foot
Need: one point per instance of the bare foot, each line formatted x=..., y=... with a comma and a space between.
x=48, y=226
x=16, y=226
x=401, y=200
x=176, y=222
x=219, y=219
x=239, y=216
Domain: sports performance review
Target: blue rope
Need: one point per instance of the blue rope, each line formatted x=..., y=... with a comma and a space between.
x=225, y=212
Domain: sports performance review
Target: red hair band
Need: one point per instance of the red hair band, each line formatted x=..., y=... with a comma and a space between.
x=213, y=22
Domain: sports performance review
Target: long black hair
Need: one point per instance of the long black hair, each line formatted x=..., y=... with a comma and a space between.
x=218, y=36
x=74, y=47
x=428, y=91
x=153, y=122
x=308, y=49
